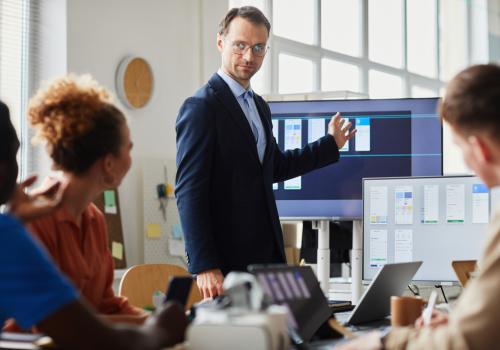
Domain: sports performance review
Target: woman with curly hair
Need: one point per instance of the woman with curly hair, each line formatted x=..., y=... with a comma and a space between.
x=32, y=290
x=88, y=139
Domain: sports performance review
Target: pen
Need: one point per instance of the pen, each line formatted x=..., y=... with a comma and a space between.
x=427, y=313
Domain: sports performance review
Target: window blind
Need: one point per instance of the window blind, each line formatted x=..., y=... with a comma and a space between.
x=19, y=28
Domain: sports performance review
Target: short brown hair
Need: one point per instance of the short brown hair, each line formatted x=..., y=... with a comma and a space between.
x=249, y=13
x=78, y=121
x=472, y=100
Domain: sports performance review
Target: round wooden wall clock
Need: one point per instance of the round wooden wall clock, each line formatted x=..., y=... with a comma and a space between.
x=134, y=82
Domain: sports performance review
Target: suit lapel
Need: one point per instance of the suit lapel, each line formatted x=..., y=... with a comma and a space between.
x=226, y=97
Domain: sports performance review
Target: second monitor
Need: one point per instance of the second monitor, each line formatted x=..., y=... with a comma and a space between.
x=432, y=219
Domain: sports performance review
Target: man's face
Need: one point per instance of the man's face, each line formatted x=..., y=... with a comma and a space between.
x=241, y=67
x=476, y=154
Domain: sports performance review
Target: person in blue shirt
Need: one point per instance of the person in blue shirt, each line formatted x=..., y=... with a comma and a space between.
x=34, y=293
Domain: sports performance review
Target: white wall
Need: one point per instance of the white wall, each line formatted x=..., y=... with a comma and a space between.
x=212, y=13
x=169, y=35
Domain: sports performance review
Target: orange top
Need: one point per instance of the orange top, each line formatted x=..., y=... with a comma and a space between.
x=83, y=255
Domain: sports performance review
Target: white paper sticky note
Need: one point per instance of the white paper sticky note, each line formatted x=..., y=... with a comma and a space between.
x=176, y=247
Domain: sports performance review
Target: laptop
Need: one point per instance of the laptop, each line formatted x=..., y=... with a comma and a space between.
x=375, y=304
x=298, y=289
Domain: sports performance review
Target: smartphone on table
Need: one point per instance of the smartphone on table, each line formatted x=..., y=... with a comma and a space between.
x=178, y=288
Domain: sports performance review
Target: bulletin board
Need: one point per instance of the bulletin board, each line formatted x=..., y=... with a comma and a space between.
x=163, y=237
x=113, y=218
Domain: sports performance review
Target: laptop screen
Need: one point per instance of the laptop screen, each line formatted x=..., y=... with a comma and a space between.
x=297, y=288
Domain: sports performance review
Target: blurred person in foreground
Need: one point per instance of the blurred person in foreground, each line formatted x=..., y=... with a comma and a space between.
x=33, y=291
x=471, y=107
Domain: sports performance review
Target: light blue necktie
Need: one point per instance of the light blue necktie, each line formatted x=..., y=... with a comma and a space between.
x=246, y=96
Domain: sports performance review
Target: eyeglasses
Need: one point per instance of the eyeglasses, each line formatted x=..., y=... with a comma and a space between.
x=240, y=48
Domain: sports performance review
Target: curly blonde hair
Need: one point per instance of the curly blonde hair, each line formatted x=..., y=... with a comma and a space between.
x=76, y=119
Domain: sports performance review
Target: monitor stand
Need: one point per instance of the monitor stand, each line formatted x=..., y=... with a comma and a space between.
x=356, y=261
x=323, y=259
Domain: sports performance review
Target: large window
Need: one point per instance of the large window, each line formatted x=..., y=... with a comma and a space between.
x=385, y=32
x=291, y=12
x=381, y=48
x=15, y=43
x=12, y=45
x=345, y=15
x=295, y=74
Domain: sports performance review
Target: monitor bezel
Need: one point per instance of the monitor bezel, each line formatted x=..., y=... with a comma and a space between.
x=350, y=217
x=420, y=282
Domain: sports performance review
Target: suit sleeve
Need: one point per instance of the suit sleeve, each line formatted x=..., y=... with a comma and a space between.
x=297, y=162
x=195, y=151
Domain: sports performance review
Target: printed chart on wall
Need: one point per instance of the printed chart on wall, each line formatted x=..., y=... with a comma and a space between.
x=108, y=203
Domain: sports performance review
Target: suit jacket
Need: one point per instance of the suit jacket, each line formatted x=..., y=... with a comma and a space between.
x=474, y=320
x=224, y=194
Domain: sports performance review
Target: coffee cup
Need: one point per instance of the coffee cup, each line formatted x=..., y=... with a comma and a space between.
x=405, y=310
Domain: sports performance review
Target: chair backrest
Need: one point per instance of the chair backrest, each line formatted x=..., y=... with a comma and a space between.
x=464, y=269
x=140, y=282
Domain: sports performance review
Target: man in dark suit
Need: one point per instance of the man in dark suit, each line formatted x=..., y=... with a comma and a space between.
x=227, y=160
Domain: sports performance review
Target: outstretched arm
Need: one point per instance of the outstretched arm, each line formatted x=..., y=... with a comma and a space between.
x=74, y=326
x=35, y=293
x=315, y=155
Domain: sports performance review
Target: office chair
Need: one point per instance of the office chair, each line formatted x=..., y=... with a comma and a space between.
x=140, y=282
x=464, y=269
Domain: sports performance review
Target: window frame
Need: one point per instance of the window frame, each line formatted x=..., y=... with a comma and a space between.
x=316, y=53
